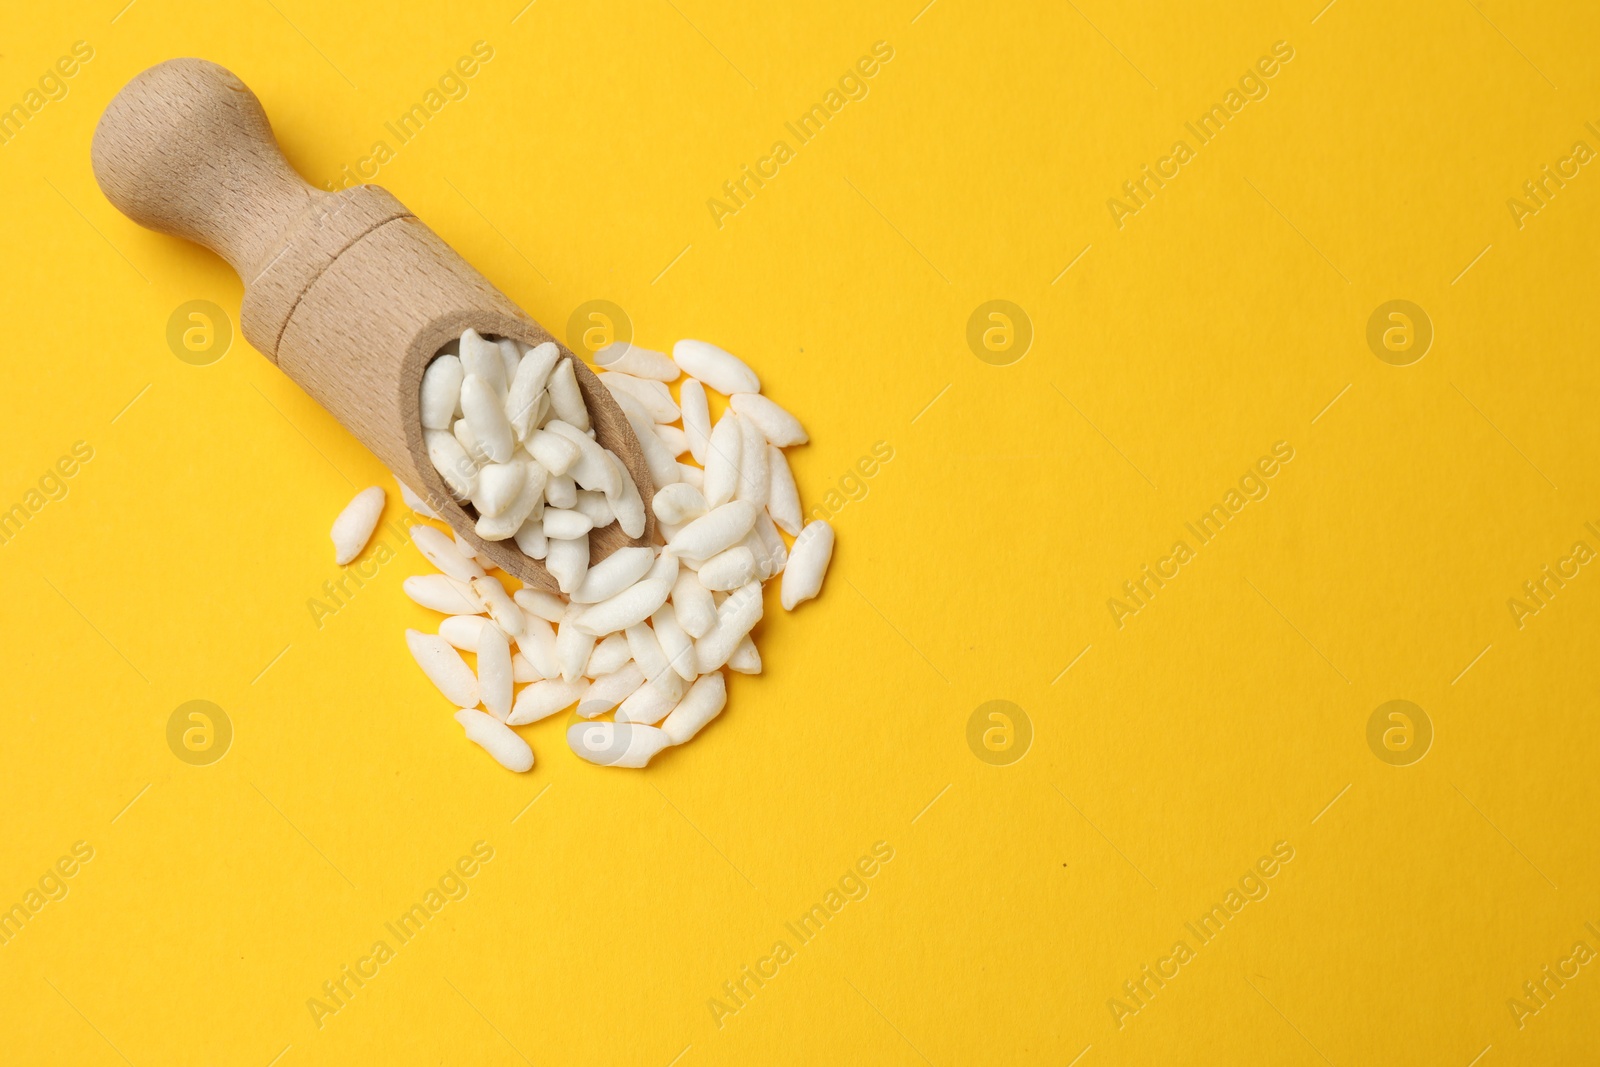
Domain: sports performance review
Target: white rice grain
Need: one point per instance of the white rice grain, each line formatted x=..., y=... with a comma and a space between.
x=613, y=574
x=772, y=555
x=627, y=504
x=651, y=702
x=640, y=362
x=482, y=358
x=777, y=425
x=541, y=700
x=504, y=526
x=610, y=744
x=678, y=503
x=567, y=562
x=746, y=658
x=692, y=475
x=538, y=644
x=461, y=430
x=573, y=646
x=444, y=667
x=675, y=642
x=653, y=395
x=736, y=616
x=531, y=540
x=593, y=469
x=609, y=690
x=647, y=652
x=438, y=549
x=553, y=452
x=483, y=409
x=561, y=491
x=496, y=738
x=522, y=670
x=703, y=702
x=693, y=604
x=674, y=440
x=441, y=392
x=596, y=506
x=510, y=356
x=460, y=474
x=499, y=485
x=563, y=525
x=722, y=460
x=634, y=604
x=728, y=570
x=498, y=603
x=718, y=368
x=566, y=399
x=463, y=631
x=808, y=564
x=754, y=481
x=696, y=417
x=609, y=655
x=783, y=499
x=353, y=528
x=528, y=385
x=718, y=529
x=442, y=593
x=546, y=606
x=662, y=463
x=494, y=671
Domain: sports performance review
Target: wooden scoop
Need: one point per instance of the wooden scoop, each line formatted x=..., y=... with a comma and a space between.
x=348, y=292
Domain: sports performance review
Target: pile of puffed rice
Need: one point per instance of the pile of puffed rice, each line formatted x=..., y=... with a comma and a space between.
x=645, y=632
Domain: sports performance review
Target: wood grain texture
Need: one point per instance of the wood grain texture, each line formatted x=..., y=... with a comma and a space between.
x=348, y=292
x=185, y=148
x=272, y=296
x=417, y=294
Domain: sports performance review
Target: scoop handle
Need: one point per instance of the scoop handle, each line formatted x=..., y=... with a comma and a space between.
x=348, y=293
x=186, y=148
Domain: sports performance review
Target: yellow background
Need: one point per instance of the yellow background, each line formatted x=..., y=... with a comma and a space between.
x=1223, y=717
